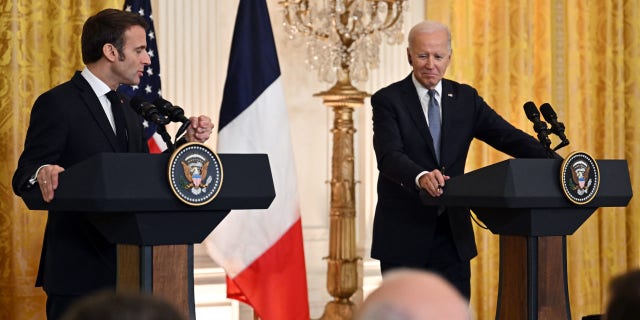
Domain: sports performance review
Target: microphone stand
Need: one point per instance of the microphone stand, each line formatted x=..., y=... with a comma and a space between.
x=562, y=144
x=557, y=128
x=162, y=130
x=540, y=127
x=182, y=129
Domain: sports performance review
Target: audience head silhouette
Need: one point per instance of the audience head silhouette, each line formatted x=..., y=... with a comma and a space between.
x=414, y=295
x=624, y=297
x=121, y=306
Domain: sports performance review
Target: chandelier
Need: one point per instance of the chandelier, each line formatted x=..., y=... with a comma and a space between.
x=342, y=40
x=344, y=35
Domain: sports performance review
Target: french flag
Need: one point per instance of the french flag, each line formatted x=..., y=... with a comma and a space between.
x=261, y=250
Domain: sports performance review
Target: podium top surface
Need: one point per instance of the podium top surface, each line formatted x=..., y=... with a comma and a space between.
x=531, y=183
x=127, y=182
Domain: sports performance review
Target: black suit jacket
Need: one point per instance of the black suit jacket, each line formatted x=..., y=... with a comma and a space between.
x=67, y=126
x=403, y=228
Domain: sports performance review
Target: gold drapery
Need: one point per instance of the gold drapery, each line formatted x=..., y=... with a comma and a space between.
x=39, y=48
x=583, y=57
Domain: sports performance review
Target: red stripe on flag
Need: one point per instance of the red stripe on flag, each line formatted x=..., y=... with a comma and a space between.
x=275, y=284
x=153, y=146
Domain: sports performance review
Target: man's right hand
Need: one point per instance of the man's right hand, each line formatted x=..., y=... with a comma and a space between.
x=48, y=181
x=433, y=182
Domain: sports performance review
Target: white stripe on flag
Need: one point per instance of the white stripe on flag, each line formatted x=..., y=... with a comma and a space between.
x=245, y=234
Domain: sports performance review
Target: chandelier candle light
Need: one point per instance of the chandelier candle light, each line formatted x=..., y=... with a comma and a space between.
x=342, y=40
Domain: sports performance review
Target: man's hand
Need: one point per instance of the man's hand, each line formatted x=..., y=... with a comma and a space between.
x=200, y=129
x=48, y=181
x=433, y=182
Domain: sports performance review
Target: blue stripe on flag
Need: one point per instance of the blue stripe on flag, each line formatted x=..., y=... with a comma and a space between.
x=253, y=61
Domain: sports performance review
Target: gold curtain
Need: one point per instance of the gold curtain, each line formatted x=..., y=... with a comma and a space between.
x=583, y=57
x=39, y=48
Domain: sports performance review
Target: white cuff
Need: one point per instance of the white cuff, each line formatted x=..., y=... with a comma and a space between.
x=418, y=178
x=34, y=177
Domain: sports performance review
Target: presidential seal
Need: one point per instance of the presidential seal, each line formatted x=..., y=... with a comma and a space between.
x=195, y=174
x=580, y=178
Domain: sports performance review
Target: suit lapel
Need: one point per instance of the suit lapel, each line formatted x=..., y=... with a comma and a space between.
x=448, y=103
x=132, y=124
x=95, y=109
x=412, y=104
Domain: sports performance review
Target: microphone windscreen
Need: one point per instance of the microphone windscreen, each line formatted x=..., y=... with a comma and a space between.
x=547, y=112
x=531, y=110
x=162, y=103
x=136, y=104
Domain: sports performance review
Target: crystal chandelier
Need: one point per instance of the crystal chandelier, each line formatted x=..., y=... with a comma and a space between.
x=344, y=35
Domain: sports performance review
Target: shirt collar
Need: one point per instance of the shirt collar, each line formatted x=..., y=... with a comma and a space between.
x=99, y=87
x=422, y=91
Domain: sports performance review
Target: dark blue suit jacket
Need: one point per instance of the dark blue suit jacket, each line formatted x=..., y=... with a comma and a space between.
x=67, y=126
x=403, y=227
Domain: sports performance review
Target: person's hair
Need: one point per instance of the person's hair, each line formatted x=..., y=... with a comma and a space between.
x=412, y=294
x=428, y=26
x=624, y=300
x=384, y=311
x=109, y=305
x=107, y=26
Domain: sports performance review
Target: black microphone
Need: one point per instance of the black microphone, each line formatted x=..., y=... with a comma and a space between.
x=557, y=128
x=174, y=113
x=539, y=126
x=148, y=111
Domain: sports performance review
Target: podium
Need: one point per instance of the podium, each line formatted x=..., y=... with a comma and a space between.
x=132, y=205
x=522, y=201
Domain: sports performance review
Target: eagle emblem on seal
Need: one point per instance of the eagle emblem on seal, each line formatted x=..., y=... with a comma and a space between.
x=580, y=176
x=195, y=171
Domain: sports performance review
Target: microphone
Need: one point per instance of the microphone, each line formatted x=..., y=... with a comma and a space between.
x=147, y=110
x=557, y=128
x=174, y=113
x=539, y=126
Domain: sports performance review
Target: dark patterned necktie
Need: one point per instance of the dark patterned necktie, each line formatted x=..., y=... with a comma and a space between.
x=433, y=112
x=118, y=117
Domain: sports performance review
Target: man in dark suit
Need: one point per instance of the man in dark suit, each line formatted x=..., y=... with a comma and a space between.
x=423, y=126
x=69, y=124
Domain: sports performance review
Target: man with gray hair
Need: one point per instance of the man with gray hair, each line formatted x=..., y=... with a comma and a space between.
x=423, y=126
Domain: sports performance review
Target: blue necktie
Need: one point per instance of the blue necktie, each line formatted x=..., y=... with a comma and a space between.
x=433, y=112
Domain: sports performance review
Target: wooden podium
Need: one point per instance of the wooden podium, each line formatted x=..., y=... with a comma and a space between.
x=133, y=206
x=522, y=201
